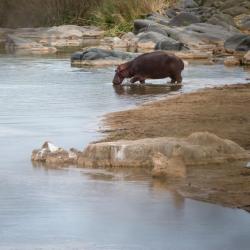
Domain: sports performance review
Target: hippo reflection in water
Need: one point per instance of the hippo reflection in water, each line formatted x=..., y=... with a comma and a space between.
x=154, y=65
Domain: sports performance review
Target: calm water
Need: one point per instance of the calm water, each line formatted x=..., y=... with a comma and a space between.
x=45, y=99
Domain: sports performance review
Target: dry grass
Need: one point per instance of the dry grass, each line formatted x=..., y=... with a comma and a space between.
x=114, y=15
x=32, y=13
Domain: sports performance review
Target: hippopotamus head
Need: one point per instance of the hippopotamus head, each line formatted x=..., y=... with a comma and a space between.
x=121, y=72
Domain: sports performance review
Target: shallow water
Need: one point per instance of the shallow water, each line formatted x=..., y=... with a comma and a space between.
x=45, y=99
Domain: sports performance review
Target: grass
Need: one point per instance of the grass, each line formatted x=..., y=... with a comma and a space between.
x=115, y=16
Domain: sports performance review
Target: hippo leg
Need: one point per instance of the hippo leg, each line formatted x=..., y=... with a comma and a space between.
x=176, y=79
x=137, y=78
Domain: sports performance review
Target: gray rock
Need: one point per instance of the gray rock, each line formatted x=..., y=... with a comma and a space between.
x=187, y=4
x=221, y=19
x=184, y=19
x=164, y=20
x=236, y=10
x=150, y=36
x=97, y=54
x=238, y=43
x=169, y=44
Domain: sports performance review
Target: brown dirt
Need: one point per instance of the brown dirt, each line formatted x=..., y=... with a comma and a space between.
x=224, y=111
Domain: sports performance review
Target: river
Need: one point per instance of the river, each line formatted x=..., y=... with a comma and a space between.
x=70, y=208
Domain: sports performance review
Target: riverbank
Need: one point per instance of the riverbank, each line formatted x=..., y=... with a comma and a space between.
x=223, y=111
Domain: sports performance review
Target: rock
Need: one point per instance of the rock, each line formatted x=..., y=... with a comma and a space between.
x=184, y=19
x=131, y=39
x=150, y=36
x=153, y=40
x=236, y=10
x=187, y=4
x=243, y=22
x=53, y=155
x=193, y=36
x=100, y=57
x=114, y=42
x=198, y=148
x=246, y=58
x=223, y=20
x=194, y=55
x=164, y=167
x=238, y=43
x=231, y=61
x=169, y=44
x=164, y=20
x=64, y=36
x=18, y=45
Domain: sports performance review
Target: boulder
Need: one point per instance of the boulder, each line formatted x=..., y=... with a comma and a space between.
x=231, y=61
x=19, y=45
x=100, y=57
x=236, y=10
x=114, y=42
x=164, y=20
x=238, y=42
x=223, y=20
x=184, y=19
x=150, y=36
x=169, y=44
x=53, y=155
x=198, y=148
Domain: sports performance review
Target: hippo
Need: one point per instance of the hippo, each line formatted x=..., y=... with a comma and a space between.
x=153, y=65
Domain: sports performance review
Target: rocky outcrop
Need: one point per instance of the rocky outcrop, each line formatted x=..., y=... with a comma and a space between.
x=50, y=154
x=19, y=45
x=198, y=148
x=51, y=39
x=100, y=57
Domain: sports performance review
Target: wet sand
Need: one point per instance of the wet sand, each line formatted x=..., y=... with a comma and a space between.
x=224, y=111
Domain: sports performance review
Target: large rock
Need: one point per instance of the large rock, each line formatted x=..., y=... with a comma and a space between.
x=60, y=37
x=169, y=44
x=100, y=57
x=238, y=43
x=198, y=148
x=236, y=10
x=19, y=45
x=184, y=19
x=193, y=36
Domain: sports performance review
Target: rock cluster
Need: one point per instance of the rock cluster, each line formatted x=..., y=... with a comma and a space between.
x=193, y=29
x=49, y=40
x=50, y=154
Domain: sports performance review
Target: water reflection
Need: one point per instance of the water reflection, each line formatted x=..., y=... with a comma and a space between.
x=145, y=89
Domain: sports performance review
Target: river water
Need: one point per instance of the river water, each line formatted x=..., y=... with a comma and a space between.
x=45, y=99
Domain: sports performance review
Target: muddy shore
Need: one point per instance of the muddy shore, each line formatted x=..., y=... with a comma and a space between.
x=224, y=111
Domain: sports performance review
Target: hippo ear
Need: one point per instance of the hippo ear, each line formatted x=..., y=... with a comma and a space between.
x=122, y=67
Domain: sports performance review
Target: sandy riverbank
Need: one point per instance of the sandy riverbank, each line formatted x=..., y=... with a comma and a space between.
x=224, y=111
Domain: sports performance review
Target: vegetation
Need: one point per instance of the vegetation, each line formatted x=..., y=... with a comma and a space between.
x=115, y=16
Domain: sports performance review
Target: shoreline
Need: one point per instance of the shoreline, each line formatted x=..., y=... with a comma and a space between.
x=215, y=110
